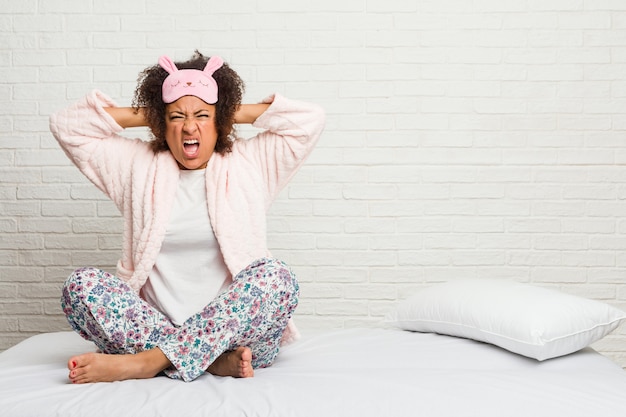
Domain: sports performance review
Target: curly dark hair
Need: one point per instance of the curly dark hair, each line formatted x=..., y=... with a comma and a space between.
x=230, y=92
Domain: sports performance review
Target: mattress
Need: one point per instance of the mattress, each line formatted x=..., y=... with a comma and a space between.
x=352, y=372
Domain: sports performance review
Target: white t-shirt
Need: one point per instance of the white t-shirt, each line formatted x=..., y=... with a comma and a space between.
x=189, y=271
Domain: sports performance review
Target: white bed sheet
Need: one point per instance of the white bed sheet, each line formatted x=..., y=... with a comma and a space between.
x=356, y=372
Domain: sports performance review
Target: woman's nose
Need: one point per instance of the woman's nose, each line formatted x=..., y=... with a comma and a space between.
x=189, y=126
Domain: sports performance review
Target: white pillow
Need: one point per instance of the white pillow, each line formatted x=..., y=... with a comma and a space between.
x=532, y=321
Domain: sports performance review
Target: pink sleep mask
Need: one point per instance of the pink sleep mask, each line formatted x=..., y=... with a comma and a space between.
x=190, y=82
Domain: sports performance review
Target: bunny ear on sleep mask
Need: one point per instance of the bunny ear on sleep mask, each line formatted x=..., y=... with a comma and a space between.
x=190, y=82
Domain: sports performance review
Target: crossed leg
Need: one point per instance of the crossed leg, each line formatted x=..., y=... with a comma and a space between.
x=139, y=342
x=103, y=367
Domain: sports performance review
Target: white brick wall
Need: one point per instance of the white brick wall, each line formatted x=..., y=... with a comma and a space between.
x=464, y=139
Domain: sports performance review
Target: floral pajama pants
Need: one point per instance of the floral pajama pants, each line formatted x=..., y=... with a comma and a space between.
x=252, y=312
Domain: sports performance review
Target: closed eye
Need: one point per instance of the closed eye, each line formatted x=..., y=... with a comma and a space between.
x=175, y=117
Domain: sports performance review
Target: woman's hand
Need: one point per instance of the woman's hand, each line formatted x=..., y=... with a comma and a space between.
x=248, y=113
x=127, y=116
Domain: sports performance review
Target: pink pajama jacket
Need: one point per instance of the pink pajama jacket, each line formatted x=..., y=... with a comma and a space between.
x=240, y=185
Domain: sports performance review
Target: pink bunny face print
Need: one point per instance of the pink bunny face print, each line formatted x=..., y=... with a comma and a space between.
x=190, y=82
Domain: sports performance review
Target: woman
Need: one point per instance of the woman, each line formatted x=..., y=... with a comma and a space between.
x=196, y=288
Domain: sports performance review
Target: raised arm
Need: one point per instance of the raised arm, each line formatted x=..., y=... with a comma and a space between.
x=248, y=113
x=290, y=129
x=88, y=131
x=127, y=116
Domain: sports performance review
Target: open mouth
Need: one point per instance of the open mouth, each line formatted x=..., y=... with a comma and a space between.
x=190, y=147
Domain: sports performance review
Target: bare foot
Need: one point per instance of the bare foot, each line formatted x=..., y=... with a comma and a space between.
x=100, y=367
x=236, y=363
